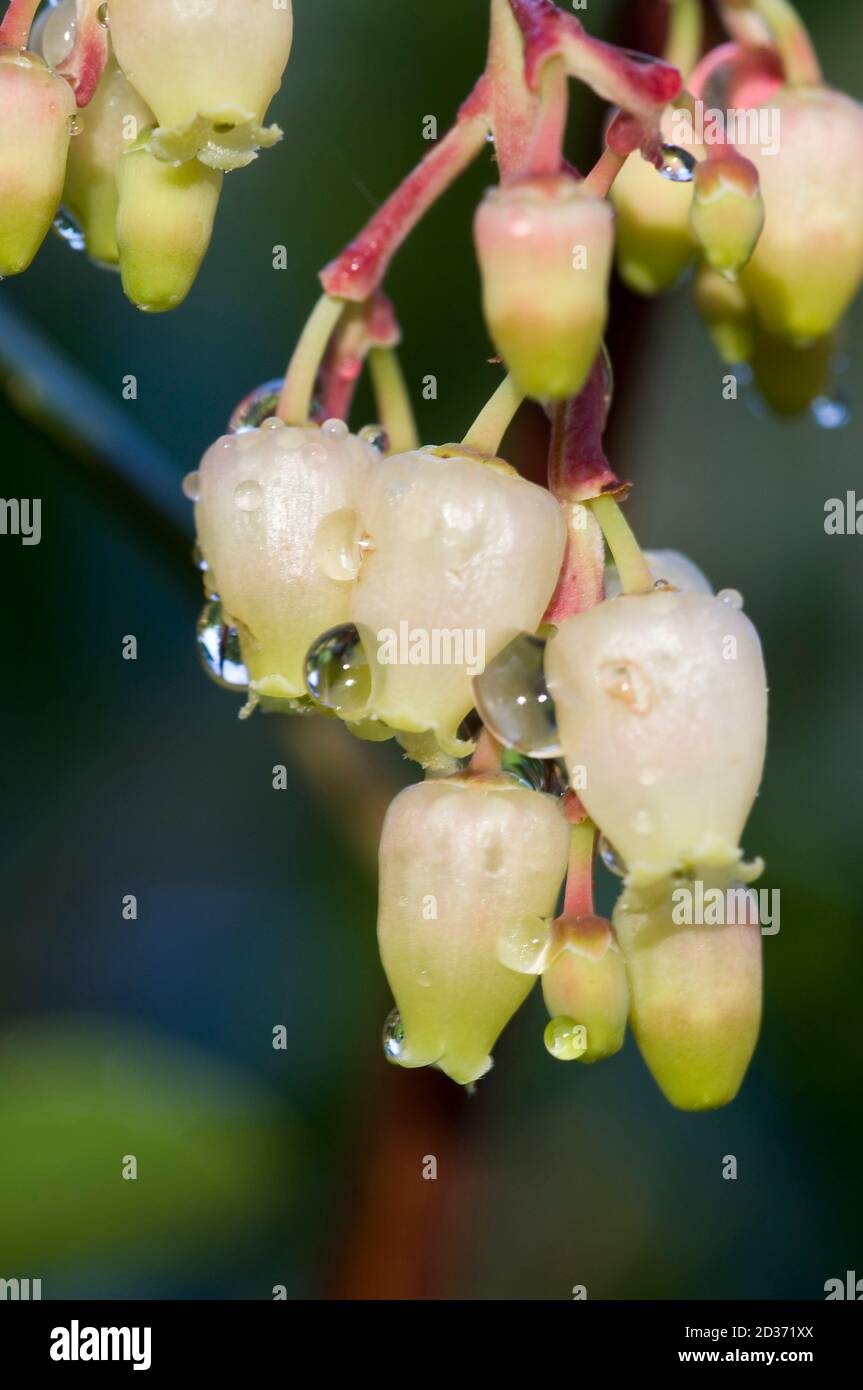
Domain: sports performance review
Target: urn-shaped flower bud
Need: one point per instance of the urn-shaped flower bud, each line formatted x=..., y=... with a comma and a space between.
x=808, y=264
x=662, y=709
x=164, y=222
x=654, y=239
x=277, y=525
x=37, y=109
x=545, y=250
x=693, y=957
x=585, y=991
x=462, y=556
x=465, y=862
x=725, y=309
x=113, y=120
x=727, y=212
x=208, y=71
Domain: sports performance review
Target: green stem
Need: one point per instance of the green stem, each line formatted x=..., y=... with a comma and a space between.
x=395, y=412
x=791, y=37
x=493, y=421
x=685, y=35
x=635, y=576
x=296, y=398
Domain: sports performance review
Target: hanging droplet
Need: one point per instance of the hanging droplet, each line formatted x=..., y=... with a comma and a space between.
x=334, y=429
x=677, y=165
x=192, y=486
x=625, y=681
x=565, y=1039
x=248, y=496
x=513, y=700
x=831, y=412
x=102, y=16
x=336, y=545
x=68, y=230
x=377, y=436
x=523, y=946
x=337, y=672
x=530, y=772
x=393, y=1036
x=732, y=597
x=198, y=559
x=257, y=406
x=610, y=858
x=219, y=649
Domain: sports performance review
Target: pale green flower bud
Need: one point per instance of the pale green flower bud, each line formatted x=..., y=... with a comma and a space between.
x=36, y=113
x=727, y=213
x=696, y=989
x=585, y=991
x=654, y=239
x=462, y=556
x=465, y=861
x=661, y=703
x=208, y=70
x=165, y=216
x=277, y=525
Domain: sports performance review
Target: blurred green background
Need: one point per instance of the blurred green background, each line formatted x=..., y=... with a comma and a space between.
x=302, y=1167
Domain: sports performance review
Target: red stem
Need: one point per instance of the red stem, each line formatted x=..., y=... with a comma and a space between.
x=84, y=64
x=17, y=22
x=363, y=327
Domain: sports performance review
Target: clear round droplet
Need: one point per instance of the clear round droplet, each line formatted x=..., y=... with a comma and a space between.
x=198, y=559
x=625, y=681
x=334, y=429
x=732, y=597
x=377, y=436
x=272, y=423
x=529, y=772
x=513, y=700
x=248, y=496
x=53, y=34
x=424, y=979
x=102, y=16
x=831, y=412
x=337, y=672
x=258, y=406
x=677, y=165
x=336, y=544
x=393, y=1037
x=565, y=1039
x=192, y=486
x=610, y=858
x=67, y=230
x=523, y=946
x=219, y=649
x=76, y=123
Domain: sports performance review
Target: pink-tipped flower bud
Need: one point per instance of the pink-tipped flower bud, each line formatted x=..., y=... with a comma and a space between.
x=695, y=985
x=208, y=71
x=727, y=212
x=661, y=703
x=585, y=991
x=37, y=111
x=462, y=556
x=467, y=863
x=277, y=525
x=808, y=264
x=545, y=249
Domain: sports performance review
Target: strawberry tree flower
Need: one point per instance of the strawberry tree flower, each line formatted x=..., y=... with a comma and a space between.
x=727, y=213
x=208, y=72
x=37, y=111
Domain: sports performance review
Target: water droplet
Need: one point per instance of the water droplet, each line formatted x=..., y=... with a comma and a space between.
x=393, y=1036
x=336, y=546
x=68, y=230
x=523, y=946
x=377, y=436
x=192, y=486
x=625, y=681
x=248, y=496
x=76, y=123
x=102, y=16
x=831, y=412
x=198, y=559
x=513, y=700
x=732, y=597
x=530, y=772
x=565, y=1039
x=337, y=672
x=271, y=423
x=664, y=586
x=677, y=165
x=54, y=39
x=219, y=649
x=610, y=858
x=313, y=453
x=256, y=407
x=424, y=979
x=334, y=429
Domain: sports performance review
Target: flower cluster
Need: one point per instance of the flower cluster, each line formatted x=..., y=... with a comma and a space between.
x=118, y=122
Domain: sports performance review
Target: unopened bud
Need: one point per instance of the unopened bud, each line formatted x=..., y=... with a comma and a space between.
x=727, y=314
x=36, y=113
x=654, y=239
x=585, y=991
x=727, y=212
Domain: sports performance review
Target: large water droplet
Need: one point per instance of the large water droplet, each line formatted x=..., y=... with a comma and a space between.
x=68, y=230
x=393, y=1037
x=610, y=858
x=377, y=436
x=625, y=681
x=334, y=429
x=831, y=412
x=248, y=496
x=732, y=597
x=565, y=1039
x=677, y=165
x=524, y=946
x=219, y=649
x=53, y=34
x=192, y=486
x=336, y=544
x=256, y=407
x=102, y=16
x=337, y=672
x=513, y=699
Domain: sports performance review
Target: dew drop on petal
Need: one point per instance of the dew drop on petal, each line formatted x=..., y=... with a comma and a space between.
x=377, y=436
x=256, y=407
x=336, y=546
x=337, y=672
x=192, y=486
x=565, y=1039
x=732, y=597
x=219, y=649
x=334, y=429
x=831, y=412
x=393, y=1037
x=424, y=979
x=513, y=700
x=523, y=946
x=677, y=165
x=248, y=496
x=610, y=858
x=67, y=230
x=313, y=453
